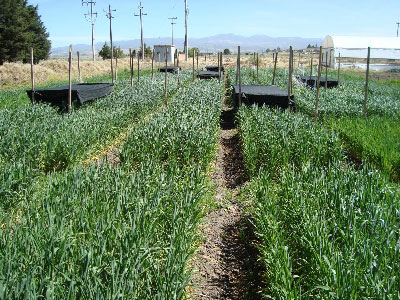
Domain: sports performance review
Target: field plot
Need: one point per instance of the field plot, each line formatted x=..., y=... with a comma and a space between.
x=326, y=230
x=37, y=140
x=127, y=231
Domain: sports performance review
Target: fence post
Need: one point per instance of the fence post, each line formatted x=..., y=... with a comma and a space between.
x=219, y=67
x=116, y=67
x=131, y=65
x=70, y=80
x=289, y=88
x=152, y=66
x=197, y=58
x=326, y=71
x=138, y=69
x=257, y=66
x=194, y=54
x=366, y=83
x=32, y=79
x=240, y=79
x=311, y=68
x=338, y=73
x=179, y=72
x=166, y=78
x=276, y=61
x=318, y=83
x=298, y=65
x=79, y=67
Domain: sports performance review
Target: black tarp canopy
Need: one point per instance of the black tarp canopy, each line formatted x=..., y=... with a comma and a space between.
x=311, y=81
x=261, y=95
x=208, y=75
x=214, y=68
x=81, y=93
x=173, y=70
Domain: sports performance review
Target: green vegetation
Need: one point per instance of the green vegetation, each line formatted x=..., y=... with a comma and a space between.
x=326, y=231
x=375, y=140
x=122, y=232
x=20, y=30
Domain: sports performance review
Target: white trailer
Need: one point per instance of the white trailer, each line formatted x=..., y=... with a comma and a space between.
x=160, y=52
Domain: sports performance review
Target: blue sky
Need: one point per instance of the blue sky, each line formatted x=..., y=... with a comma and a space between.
x=284, y=18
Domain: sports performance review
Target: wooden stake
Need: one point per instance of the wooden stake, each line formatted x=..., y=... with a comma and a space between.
x=152, y=66
x=219, y=67
x=175, y=57
x=326, y=71
x=116, y=68
x=193, y=63
x=366, y=83
x=289, y=88
x=138, y=68
x=70, y=80
x=166, y=77
x=338, y=72
x=32, y=79
x=298, y=65
x=240, y=79
x=222, y=65
x=276, y=61
x=257, y=66
x=179, y=72
x=311, y=68
x=197, y=57
x=79, y=68
x=131, y=65
x=237, y=69
x=318, y=83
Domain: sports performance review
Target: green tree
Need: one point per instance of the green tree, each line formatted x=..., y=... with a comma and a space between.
x=227, y=52
x=20, y=30
x=105, y=51
x=191, y=50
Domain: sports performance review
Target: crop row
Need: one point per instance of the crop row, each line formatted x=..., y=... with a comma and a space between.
x=118, y=233
x=326, y=230
x=39, y=139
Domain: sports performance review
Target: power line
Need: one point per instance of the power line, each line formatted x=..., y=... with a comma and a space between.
x=141, y=14
x=172, y=25
x=92, y=21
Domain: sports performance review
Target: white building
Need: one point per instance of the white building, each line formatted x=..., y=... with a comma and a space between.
x=160, y=51
x=357, y=47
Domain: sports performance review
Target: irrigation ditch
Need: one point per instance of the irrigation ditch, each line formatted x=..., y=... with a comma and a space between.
x=225, y=265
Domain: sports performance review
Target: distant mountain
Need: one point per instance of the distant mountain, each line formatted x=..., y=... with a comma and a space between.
x=209, y=44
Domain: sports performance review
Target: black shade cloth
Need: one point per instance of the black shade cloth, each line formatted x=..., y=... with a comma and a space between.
x=81, y=93
x=173, y=70
x=214, y=68
x=261, y=95
x=208, y=75
x=311, y=81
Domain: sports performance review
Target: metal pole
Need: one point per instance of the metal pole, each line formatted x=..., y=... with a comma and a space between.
x=186, y=32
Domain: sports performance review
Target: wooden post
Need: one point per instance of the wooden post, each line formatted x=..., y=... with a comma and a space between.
x=338, y=72
x=70, y=80
x=193, y=64
x=175, y=57
x=237, y=69
x=152, y=66
x=79, y=68
x=179, y=72
x=318, y=83
x=276, y=61
x=138, y=68
x=366, y=83
x=257, y=66
x=298, y=65
x=197, y=58
x=219, y=67
x=289, y=88
x=166, y=77
x=311, y=68
x=240, y=79
x=32, y=79
x=116, y=68
x=326, y=71
x=131, y=65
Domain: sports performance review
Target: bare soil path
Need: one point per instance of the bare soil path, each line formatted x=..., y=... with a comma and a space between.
x=226, y=264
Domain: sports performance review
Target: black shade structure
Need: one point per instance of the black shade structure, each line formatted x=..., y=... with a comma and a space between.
x=81, y=93
x=214, y=68
x=209, y=75
x=172, y=70
x=260, y=95
x=311, y=81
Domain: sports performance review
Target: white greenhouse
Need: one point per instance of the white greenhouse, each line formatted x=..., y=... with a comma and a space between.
x=357, y=47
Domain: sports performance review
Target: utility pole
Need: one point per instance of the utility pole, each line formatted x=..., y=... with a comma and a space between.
x=398, y=29
x=172, y=24
x=109, y=16
x=92, y=21
x=186, y=31
x=141, y=14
